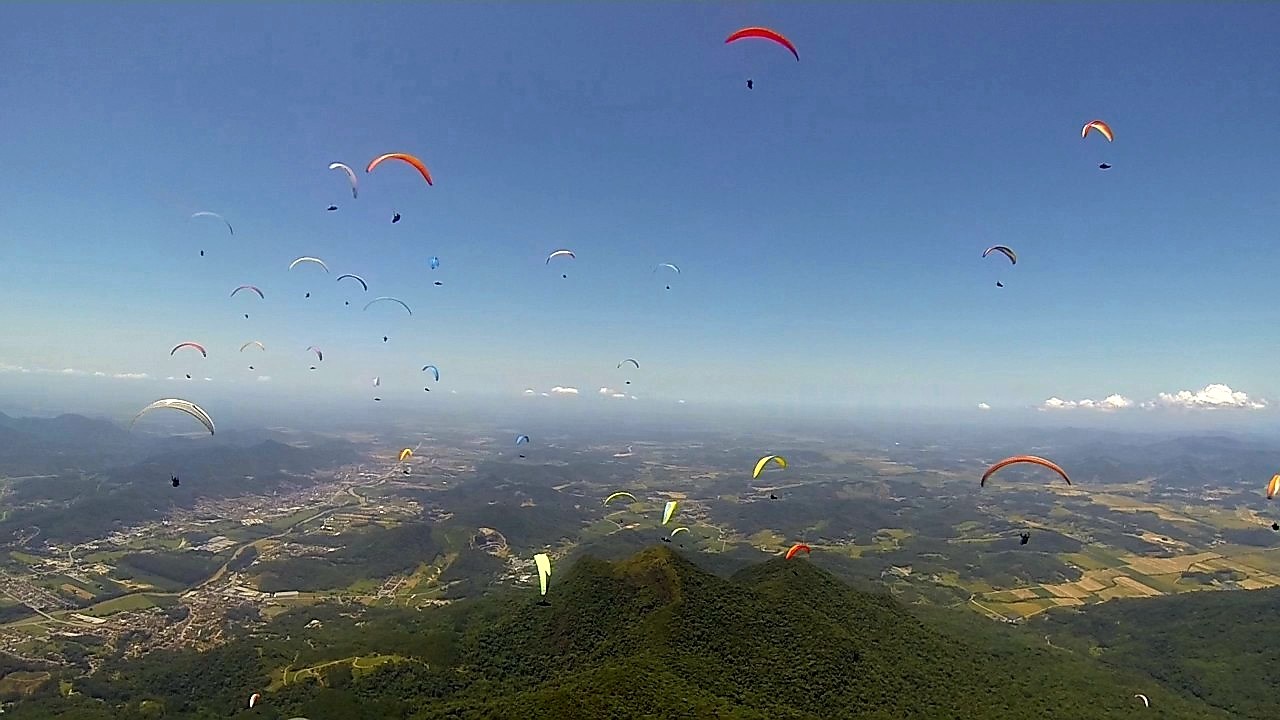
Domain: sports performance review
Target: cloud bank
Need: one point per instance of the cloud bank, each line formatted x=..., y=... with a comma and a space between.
x=1215, y=396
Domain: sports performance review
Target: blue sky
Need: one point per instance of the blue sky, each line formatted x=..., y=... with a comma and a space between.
x=829, y=223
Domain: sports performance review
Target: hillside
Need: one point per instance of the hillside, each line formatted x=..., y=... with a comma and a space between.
x=651, y=636
x=1216, y=646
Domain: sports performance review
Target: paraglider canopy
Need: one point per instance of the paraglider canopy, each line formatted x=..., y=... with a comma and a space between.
x=669, y=511
x=185, y=406
x=1007, y=251
x=776, y=459
x=1102, y=128
x=763, y=33
x=618, y=495
x=308, y=259
x=403, y=157
x=1030, y=459
x=797, y=548
x=543, y=561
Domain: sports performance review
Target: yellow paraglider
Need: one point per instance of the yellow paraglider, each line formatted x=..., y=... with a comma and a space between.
x=777, y=459
x=679, y=530
x=543, y=562
x=618, y=495
x=405, y=453
x=668, y=511
x=1273, y=487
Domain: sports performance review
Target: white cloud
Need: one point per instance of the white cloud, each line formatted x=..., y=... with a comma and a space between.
x=983, y=406
x=607, y=391
x=557, y=390
x=680, y=402
x=1111, y=402
x=545, y=394
x=1216, y=395
x=529, y=391
x=617, y=395
x=633, y=397
x=5, y=367
x=264, y=378
x=208, y=379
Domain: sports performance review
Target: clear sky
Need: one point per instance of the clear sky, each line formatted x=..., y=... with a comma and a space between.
x=829, y=223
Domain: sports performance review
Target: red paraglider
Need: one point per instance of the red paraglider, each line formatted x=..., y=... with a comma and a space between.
x=415, y=162
x=764, y=34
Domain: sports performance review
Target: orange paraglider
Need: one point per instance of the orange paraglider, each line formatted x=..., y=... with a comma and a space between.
x=1100, y=126
x=1273, y=487
x=797, y=548
x=764, y=34
x=1032, y=459
x=406, y=157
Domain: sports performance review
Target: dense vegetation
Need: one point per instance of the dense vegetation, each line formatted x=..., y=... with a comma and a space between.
x=651, y=636
x=1221, y=646
x=179, y=569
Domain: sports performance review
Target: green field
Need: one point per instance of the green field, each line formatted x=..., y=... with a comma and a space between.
x=120, y=604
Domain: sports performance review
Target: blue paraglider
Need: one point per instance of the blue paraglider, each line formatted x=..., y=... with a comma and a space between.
x=435, y=262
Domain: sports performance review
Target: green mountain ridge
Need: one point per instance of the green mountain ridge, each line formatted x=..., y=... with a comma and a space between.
x=650, y=636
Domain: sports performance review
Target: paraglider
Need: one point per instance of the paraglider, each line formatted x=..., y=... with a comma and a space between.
x=206, y=213
x=613, y=496
x=377, y=381
x=363, y=285
x=775, y=459
x=629, y=360
x=185, y=406
x=307, y=259
x=318, y=352
x=750, y=86
x=772, y=496
x=1102, y=128
x=189, y=344
x=521, y=438
x=1030, y=459
x=435, y=372
x=351, y=176
x=1145, y=701
x=797, y=548
x=173, y=480
x=388, y=299
x=561, y=253
x=405, y=453
x=763, y=33
x=404, y=157
x=1273, y=486
x=1008, y=252
x=669, y=265
x=331, y=208
x=434, y=262
x=395, y=218
x=253, y=342
x=669, y=510
x=251, y=288
x=253, y=699
x=543, y=561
